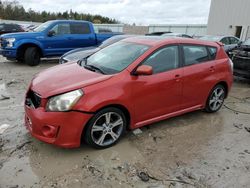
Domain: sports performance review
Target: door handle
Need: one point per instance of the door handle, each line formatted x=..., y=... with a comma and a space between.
x=211, y=69
x=177, y=77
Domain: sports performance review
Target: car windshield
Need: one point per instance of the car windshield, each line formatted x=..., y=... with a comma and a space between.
x=211, y=38
x=247, y=42
x=116, y=57
x=171, y=34
x=110, y=41
x=42, y=27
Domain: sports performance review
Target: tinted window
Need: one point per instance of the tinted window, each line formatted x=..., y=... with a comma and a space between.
x=212, y=51
x=234, y=40
x=195, y=54
x=10, y=27
x=164, y=59
x=61, y=29
x=225, y=41
x=79, y=28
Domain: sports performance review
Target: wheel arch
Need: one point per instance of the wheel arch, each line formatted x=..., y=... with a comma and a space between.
x=118, y=106
x=225, y=85
x=21, y=49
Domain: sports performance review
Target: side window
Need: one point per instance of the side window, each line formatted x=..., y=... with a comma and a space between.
x=225, y=41
x=186, y=36
x=10, y=27
x=213, y=52
x=79, y=28
x=2, y=27
x=61, y=29
x=234, y=40
x=164, y=59
x=195, y=54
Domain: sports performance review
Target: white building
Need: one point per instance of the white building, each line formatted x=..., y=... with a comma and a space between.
x=229, y=17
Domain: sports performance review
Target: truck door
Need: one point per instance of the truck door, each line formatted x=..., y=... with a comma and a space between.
x=58, y=41
x=82, y=35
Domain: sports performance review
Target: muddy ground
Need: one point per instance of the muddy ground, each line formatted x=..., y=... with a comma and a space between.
x=192, y=150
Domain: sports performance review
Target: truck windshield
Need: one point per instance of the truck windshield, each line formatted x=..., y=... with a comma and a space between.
x=116, y=57
x=42, y=27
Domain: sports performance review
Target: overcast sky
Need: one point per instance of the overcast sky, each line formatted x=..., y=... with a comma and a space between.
x=141, y=12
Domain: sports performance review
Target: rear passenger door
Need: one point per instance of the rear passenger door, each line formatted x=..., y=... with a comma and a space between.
x=198, y=74
x=81, y=35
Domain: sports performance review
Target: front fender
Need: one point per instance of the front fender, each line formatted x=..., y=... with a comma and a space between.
x=23, y=42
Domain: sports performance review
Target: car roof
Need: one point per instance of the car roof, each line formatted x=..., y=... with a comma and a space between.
x=174, y=34
x=71, y=21
x=158, y=41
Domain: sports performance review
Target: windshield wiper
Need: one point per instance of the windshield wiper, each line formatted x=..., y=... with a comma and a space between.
x=93, y=68
x=83, y=62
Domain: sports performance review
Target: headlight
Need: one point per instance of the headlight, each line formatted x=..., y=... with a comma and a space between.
x=64, y=102
x=10, y=42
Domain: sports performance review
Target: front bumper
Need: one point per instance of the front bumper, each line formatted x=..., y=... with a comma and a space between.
x=9, y=53
x=68, y=126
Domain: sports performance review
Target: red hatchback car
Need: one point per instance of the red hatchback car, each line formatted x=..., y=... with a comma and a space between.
x=132, y=83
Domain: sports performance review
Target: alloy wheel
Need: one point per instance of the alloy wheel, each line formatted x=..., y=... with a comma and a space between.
x=217, y=99
x=107, y=129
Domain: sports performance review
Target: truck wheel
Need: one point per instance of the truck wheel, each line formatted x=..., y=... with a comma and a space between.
x=32, y=56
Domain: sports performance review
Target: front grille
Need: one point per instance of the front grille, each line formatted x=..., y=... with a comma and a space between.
x=33, y=99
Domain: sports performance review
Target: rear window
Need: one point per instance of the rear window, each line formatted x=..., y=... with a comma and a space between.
x=213, y=52
x=195, y=54
x=79, y=28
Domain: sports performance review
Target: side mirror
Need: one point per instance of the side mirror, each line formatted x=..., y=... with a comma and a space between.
x=144, y=70
x=51, y=33
x=240, y=42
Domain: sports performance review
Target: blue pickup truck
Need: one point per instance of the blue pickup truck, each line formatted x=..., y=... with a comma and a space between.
x=50, y=39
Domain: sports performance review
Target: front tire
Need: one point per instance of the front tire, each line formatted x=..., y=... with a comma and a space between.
x=105, y=128
x=32, y=56
x=215, y=99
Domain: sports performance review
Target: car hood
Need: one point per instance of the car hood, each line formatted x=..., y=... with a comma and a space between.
x=64, y=78
x=21, y=35
x=81, y=53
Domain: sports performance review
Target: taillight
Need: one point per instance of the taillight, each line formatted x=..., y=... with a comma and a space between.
x=231, y=64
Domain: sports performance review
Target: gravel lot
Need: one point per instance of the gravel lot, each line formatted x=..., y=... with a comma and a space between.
x=192, y=150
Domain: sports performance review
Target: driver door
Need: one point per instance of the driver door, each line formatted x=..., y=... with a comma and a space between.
x=160, y=93
x=60, y=42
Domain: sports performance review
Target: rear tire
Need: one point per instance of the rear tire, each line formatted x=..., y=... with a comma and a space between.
x=32, y=56
x=105, y=128
x=215, y=99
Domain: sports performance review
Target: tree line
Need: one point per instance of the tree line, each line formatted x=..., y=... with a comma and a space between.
x=13, y=10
